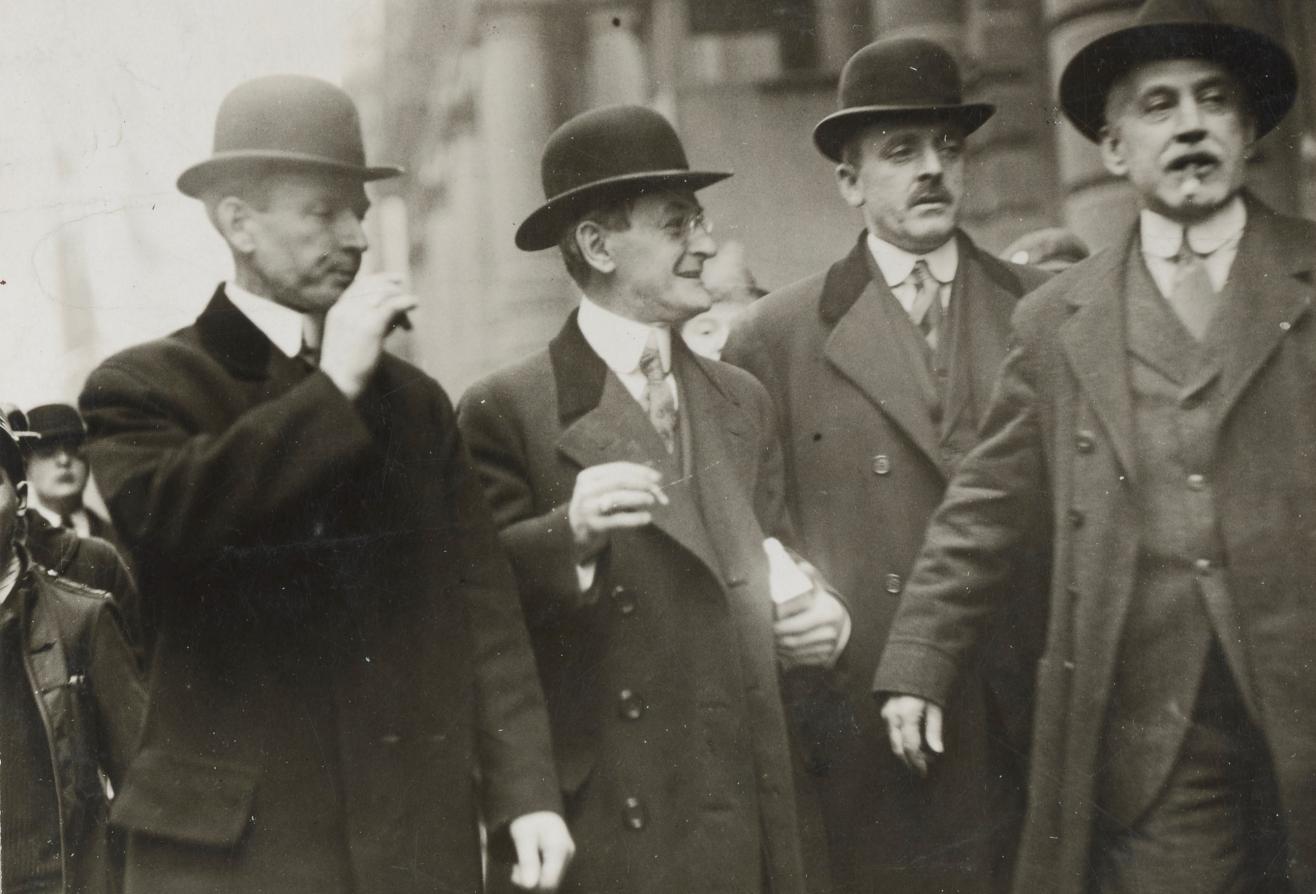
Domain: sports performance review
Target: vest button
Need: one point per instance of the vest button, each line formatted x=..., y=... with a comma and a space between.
x=1085, y=441
x=881, y=464
x=629, y=705
x=1196, y=481
x=624, y=599
x=894, y=584
x=633, y=814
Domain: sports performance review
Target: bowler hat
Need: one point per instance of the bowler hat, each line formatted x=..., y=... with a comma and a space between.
x=56, y=422
x=1178, y=29
x=897, y=76
x=291, y=120
x=602, y=155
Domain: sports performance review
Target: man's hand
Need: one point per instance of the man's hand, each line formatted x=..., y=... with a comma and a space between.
x=812, y=637
x=356, y=326
x=911, y=721
x=543, y=850
x=610, y=497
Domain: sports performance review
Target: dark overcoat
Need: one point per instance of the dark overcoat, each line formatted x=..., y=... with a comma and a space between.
x=865, y=468
x=1058, y=445
x=339, y=644
x=624, y=707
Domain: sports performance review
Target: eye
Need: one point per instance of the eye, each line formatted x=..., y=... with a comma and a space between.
x=1215, y=98
x=950, y=147
x=902, y=151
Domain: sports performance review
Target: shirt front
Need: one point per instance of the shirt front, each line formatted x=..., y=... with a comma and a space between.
x=896, y=264
x=81, y=521
x=285, y=327
x=619, y=342
x=1215, y=239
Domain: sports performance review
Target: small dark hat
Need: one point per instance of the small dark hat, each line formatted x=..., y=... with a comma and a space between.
x=602, y=155
x=285, y=119
x=1178, y=29
x=56, y=422
x=897, y=76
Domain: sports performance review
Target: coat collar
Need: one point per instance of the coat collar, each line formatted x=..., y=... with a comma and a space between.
x=234, y=340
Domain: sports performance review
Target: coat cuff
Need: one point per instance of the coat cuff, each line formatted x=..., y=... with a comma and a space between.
x=912, y=668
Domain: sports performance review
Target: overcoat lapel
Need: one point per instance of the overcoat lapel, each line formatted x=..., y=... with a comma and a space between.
x=863, y=347
x=602, y=423
x=1272, y=286
x=245, y=351
x=1096, y=345
x=985, y=317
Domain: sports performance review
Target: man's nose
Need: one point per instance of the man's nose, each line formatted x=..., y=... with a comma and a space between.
x=702, y=242
x=351, y=233
x=1188, y=126
x=930, y=166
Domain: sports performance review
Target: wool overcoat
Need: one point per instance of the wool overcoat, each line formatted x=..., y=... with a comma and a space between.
x=1058, y=447
x=676, y=635
x=339, y=648
x=866, y=465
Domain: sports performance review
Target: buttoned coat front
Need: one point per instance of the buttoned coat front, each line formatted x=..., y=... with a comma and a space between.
x=339, y=644
x=627, y=712
x=865, y=468
x=1058, y=447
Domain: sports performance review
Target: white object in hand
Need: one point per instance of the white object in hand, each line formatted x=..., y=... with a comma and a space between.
x=791, y=588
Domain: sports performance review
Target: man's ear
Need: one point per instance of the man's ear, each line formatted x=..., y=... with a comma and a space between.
x=21, y=490
x=1112, y=151
x=847, y=182
x=592, y=240
x=233, y=218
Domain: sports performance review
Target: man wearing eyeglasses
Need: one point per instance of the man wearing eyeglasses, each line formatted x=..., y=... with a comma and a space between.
x=633, y=482
x=880, y=368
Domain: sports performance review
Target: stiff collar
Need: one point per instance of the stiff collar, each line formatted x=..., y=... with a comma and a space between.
x=49, y=514
x=896, y=263
x=619, y=341
x=285, y=327
x=9, y=576
x=1162, y=237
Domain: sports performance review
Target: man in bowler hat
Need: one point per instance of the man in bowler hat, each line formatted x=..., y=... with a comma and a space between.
x=57, y=471
x=342, y=683
x=633, y=482
x=1155, y=423
x=879, y=369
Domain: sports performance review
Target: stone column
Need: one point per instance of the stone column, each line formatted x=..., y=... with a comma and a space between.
x=616, y=67
x=939, y=20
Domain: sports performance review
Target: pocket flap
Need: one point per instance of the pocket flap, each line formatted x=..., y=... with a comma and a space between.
x=186, y=798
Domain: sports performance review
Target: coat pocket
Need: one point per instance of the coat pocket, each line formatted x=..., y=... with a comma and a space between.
x=185, y=798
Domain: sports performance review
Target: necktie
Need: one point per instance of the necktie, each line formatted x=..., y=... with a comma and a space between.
x=66, y=522
x=1193, y=297
x=926, y=310
x=309, y=355
x=658, y=399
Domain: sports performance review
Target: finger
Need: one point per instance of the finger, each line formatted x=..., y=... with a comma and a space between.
x=897, y=740
x=619, y=520
x=911, y=740
x=612, y=501
x=526, y=871
x=932, y=731
x=555, y=863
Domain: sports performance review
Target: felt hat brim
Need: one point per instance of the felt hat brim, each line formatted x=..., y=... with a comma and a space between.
x=831, y=133
x=544, y=226
x=195, y=180
x=1263, y=67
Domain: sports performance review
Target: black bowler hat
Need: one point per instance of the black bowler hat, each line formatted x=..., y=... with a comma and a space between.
x=56, y=422
x=1178, y=29
x=897, y=76
x=292, y=120
x=602, y=155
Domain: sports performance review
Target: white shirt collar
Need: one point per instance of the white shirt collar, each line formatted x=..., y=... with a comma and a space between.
x=9, y=576
x=281, y=325
x=52, y=516
x=619, y=340
x=1162, y=237
x=896, y=263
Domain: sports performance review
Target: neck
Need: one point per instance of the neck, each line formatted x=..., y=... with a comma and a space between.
x=65, y=506
x=618, y=303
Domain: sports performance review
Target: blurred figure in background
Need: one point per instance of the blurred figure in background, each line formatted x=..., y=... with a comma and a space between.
x=57, y=472
x=732, y=288
x=1051, y=248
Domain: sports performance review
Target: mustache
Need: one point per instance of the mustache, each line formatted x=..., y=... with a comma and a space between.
x=930, y=194
x=1179, y=162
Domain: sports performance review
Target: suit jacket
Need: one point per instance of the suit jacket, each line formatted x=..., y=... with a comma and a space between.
x=1058, y=446
x=626, y=709
x=338, y=639
x=865, y=468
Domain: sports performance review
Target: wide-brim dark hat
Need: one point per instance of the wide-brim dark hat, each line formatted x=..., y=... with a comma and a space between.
x=56, y=422
x=897, y=76
x=284, y=120
x=603, y=155
x=1178, y=29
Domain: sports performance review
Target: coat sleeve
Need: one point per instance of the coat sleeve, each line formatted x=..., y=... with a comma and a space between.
x=515, y=752
x=118, y=692
x=539, y=543
x=181, y=494
x=975, y=543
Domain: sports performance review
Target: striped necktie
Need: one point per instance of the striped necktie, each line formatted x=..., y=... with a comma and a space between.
x=658, y=399
x=926, y=311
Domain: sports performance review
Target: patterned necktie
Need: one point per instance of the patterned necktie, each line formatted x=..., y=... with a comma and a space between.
x=658, y=399
x=1192, y=296
x=926, y=311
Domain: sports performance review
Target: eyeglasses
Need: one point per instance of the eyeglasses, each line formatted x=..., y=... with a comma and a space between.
x=684, y=229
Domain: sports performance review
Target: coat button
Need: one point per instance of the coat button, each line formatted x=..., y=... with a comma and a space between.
x=1076, y=518
x=1196, y=481
x=894, y=584
x=624, y=599
x=881, y=464
x=51, y=572
x=633, y=814
x=1085, y=441
x=1203, y=566
x=629, y=705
